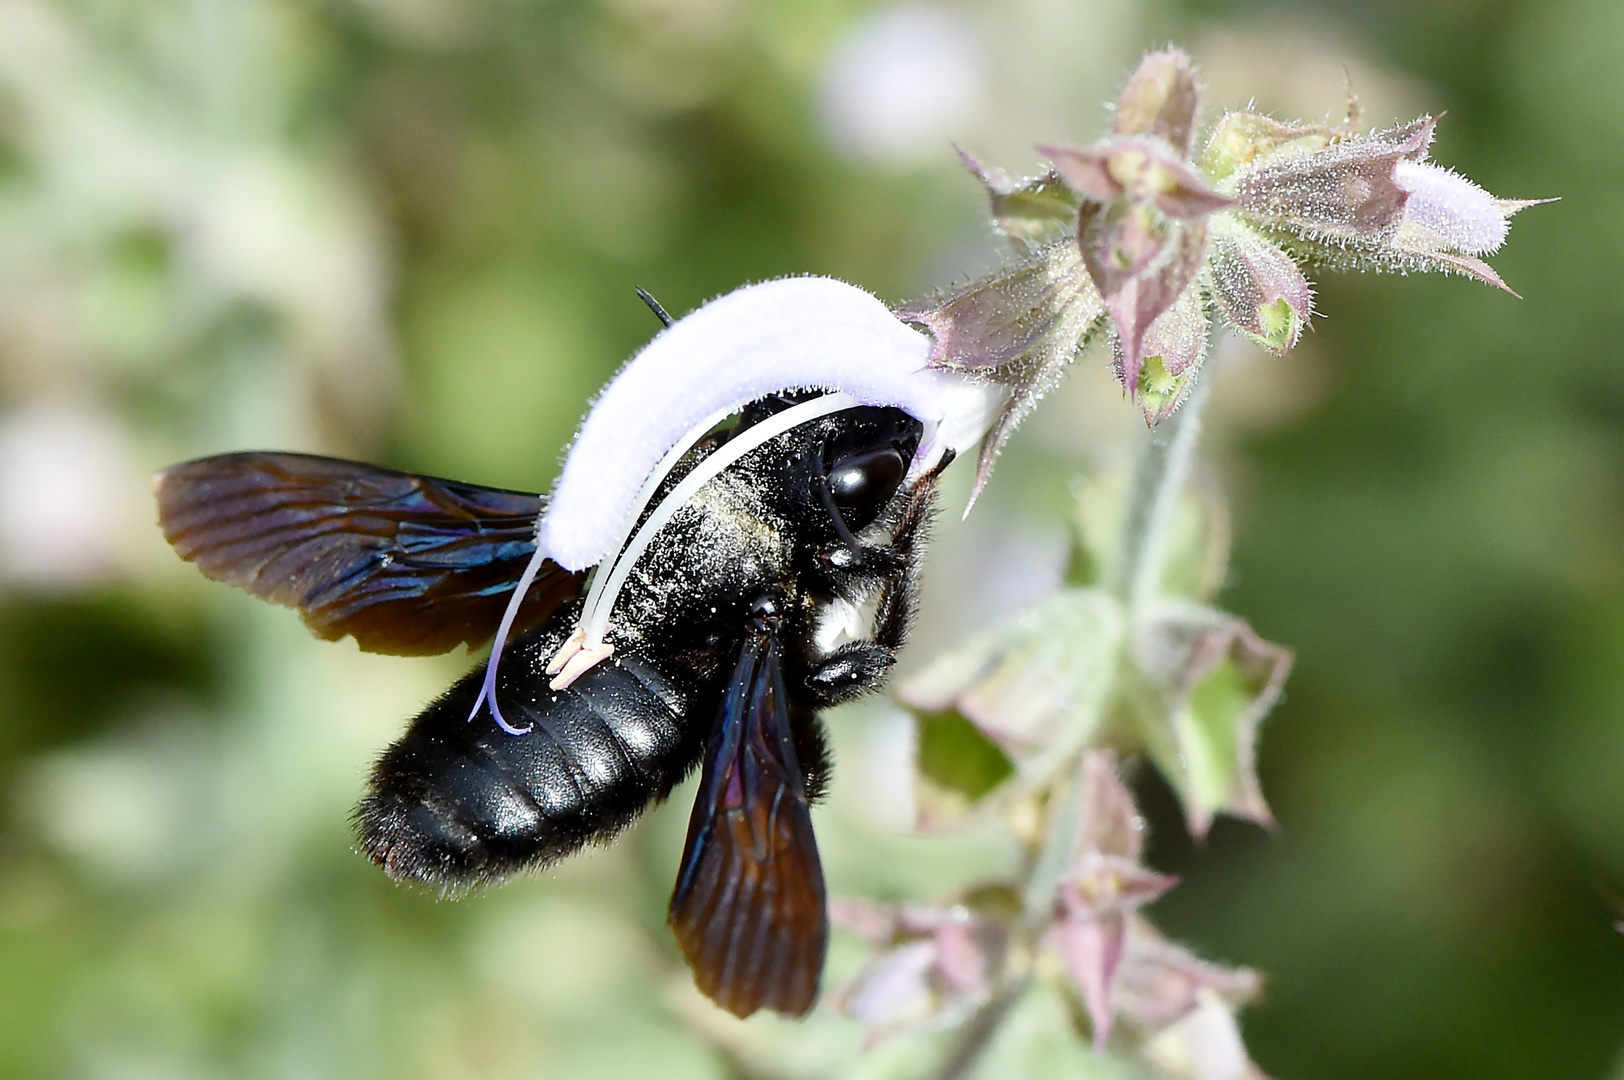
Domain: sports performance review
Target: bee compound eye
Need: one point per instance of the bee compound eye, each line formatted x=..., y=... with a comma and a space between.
x=867, y=479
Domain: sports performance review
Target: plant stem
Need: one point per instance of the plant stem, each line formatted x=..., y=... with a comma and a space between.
x=1158, y=476
x=978, y=1031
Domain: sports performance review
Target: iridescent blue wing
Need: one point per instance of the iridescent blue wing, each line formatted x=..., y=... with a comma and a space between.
x=748, y=909
x=405, y=564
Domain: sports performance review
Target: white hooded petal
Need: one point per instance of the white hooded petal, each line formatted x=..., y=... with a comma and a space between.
x=789, y=334
x=1447, y=211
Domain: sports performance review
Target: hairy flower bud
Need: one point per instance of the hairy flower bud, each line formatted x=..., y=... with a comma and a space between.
x=1242, y=140
x=1161, y=99
x=1140, y=171
x=931, y=967
x=1172, y=351
x=1446, y=211
x=1363, y=201
x=1142, y=222
x=1256, y=286
x=1017, y=328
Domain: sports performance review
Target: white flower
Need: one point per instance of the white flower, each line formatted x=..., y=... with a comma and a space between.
x=1447, y=212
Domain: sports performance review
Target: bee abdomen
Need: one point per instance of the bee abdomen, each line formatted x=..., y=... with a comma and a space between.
x=457, y=803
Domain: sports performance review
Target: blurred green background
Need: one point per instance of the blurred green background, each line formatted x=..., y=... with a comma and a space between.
x=409, y=230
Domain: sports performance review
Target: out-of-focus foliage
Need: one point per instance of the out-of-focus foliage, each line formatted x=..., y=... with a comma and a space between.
x=409, y=230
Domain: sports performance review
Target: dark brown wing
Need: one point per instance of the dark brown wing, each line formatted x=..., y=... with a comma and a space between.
x=405, y=564
x=749, y=909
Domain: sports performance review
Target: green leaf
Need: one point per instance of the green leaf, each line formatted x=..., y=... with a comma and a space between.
x=1034, y=687
x=1210, y=728
x=957, y=758
x=1202, y=682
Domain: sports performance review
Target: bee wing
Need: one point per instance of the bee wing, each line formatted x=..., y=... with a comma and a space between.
x=748, y=910
x=405, y=564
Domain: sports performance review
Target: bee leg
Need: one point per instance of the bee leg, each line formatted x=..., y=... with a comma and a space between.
x=856, y=668
x=900, y=598
x=849, y=672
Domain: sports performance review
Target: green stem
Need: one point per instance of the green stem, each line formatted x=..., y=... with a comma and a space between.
x=1159, y=475
x=979, y=1030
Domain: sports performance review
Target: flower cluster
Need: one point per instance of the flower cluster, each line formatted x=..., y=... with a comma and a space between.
x=1145, y=236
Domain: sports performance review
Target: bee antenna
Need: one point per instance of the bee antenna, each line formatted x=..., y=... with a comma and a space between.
x=654, y=306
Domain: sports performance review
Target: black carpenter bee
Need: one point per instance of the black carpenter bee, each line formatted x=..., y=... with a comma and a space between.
x=770, y=464
x=728, y=641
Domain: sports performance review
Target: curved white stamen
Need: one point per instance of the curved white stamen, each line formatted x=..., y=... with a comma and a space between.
x=580, y=662
x=596, y=621
x=652, y=484
x=487, y=689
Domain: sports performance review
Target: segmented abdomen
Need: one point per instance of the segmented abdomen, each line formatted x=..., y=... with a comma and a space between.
x=457, y=803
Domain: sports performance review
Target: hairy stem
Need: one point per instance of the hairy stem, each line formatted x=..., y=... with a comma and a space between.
x=1158, y=477
x=979, y=1030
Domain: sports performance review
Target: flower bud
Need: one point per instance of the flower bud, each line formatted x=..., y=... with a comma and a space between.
x=1257, y=287
x=1103, y=889
x=1017, y=328
x=1448, y=221
x=1173, y=349
x=1445, y=211
x=1161, y=99
x=1243, y=140
x=1142, y=264
x=932, y=967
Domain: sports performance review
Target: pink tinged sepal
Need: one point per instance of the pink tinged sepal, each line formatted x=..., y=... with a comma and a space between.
x=1344, y=193
x=1140, y=170
x=1105, y=885
x=1142, y=264
x=1205, y=1044
x=1030, y=212
x=1110, y=823
x=1257, y=288
x=1367, y=202
x=793, y=333
x=931, y=968
x=1161, y=99
x=1171, y=355
x=1184, y=1008
x=1142, y=222
x=1162, y=982
x=1017, y=328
